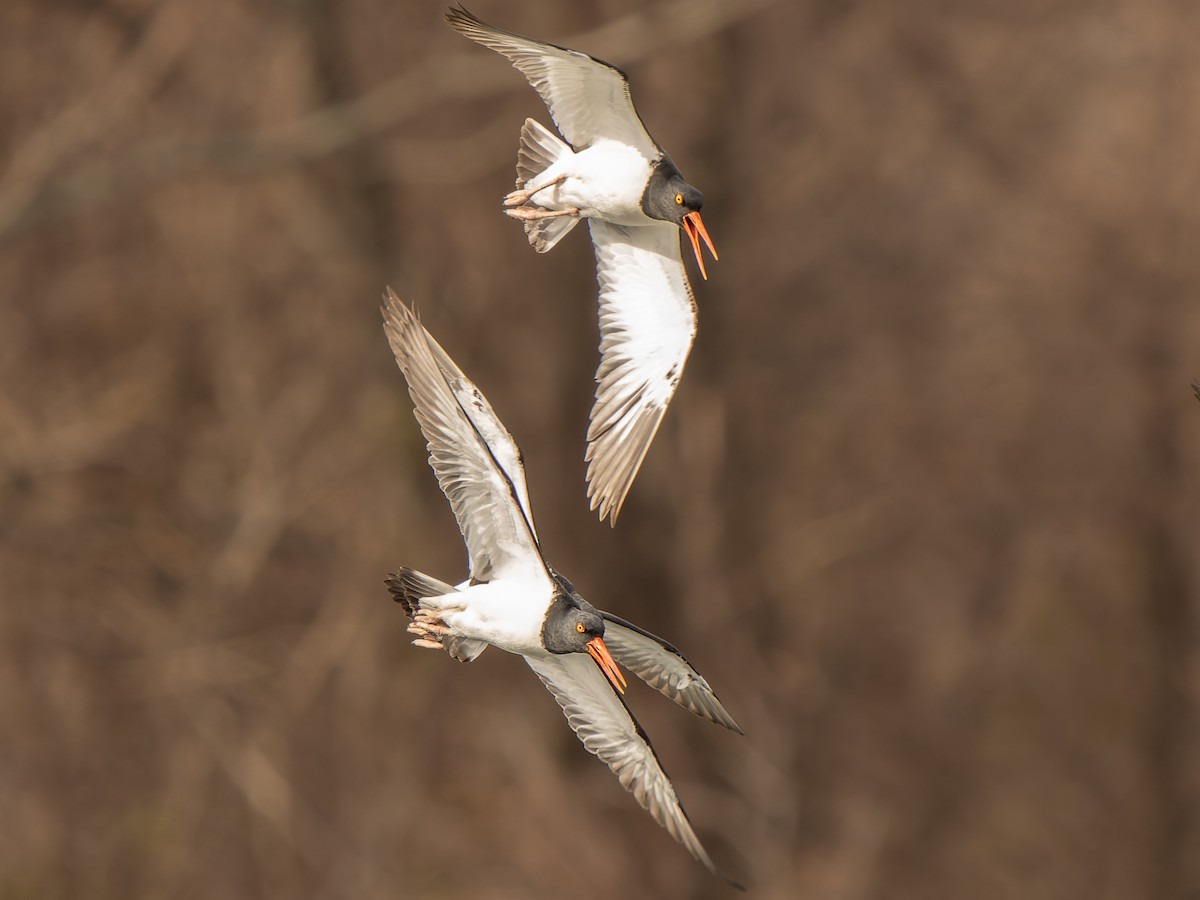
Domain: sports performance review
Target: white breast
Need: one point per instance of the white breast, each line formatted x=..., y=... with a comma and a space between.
x=605, y=181
x=507, y=613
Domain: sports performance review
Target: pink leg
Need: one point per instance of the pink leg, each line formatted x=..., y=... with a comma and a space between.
x=523, y=196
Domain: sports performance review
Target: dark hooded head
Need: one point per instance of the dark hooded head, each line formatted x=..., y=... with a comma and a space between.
x=572, y=625
x=671, y=199
x=571, y=622
x=668, y=196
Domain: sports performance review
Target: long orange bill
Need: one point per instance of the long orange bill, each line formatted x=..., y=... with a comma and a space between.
x=694, y=226
x=607, y=664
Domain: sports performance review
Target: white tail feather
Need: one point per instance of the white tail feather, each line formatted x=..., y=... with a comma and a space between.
x=539, y=149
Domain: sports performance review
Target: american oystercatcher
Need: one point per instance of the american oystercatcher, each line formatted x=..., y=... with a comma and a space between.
x=514, y=600
x=611, y=172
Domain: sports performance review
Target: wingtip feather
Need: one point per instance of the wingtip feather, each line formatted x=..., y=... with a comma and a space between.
x=614, y=459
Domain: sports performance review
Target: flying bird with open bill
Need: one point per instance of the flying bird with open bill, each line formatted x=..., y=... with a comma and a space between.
x=612, y=173
x=513, y=599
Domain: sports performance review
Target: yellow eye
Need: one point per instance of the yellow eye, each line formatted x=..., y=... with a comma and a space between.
x=579, y=627
x=679, y=199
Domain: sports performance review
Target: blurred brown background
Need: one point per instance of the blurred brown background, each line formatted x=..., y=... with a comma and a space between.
x=924, y=510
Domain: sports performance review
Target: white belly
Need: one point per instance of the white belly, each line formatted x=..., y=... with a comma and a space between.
x=605, y=181
x=505, y=613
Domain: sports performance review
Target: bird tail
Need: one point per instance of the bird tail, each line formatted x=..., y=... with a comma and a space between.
x=539, y=149
x=409, y=587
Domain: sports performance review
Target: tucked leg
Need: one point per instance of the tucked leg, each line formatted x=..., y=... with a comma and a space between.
x=428, y=644
x=432, y=628
x=523, y=195
x=532, y=213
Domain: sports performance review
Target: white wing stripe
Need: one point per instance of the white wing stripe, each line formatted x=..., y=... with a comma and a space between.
x=647, y=324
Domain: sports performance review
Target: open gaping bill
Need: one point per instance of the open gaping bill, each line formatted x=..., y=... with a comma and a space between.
x=514, y=600
x=635, y=200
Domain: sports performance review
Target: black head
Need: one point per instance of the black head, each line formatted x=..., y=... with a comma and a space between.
x=669, y=198
x=572, y=625
x=571, y=622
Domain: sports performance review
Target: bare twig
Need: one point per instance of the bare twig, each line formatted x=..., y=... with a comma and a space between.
x=36, y=160
x=41, y=196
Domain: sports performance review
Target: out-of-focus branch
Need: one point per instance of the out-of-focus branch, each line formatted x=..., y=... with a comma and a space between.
x=42, y=154
x=27, y=202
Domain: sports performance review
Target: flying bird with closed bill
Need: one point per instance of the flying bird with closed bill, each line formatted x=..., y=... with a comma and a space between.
x=612, y=173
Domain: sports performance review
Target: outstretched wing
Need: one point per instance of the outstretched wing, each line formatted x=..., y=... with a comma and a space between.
x=604, y=725
x=587, y=98
x=477, y=462
x=663, y=667
x=647, y=324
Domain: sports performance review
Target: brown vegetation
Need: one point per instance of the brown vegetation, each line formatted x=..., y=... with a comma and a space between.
x=924, y=510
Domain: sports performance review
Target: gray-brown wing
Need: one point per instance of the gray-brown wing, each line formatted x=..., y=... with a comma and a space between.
x=663, y=667
x=587, y=98
x=604, y=725
x=476, y=460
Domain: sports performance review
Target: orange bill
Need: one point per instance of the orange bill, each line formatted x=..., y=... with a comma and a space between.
x=695, y=229
x=607, y=664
